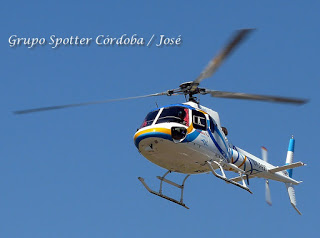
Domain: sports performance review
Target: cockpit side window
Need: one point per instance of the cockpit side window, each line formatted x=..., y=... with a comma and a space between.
x=199, y=120
x=174, y=114
x=211, y=125
x=149, y=118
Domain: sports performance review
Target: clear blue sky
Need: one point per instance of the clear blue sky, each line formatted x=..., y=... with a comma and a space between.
x=73, y=173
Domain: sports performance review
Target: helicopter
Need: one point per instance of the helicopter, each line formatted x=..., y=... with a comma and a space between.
x=188, y=138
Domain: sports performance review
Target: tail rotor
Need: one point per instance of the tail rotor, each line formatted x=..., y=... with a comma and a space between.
x=268, y=194
x=264, y=153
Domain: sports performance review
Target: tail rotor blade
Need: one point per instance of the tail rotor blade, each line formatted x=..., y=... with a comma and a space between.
x=264, y=153
x=268, y=194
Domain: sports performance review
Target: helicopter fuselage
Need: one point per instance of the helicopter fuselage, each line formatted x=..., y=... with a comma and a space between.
x=184, y=143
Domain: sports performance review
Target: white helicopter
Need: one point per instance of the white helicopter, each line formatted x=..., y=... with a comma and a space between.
x=188, y=138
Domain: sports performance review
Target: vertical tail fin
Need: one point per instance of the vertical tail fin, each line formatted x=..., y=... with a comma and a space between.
x=289, y=159
x=289, y=186
x=292, y=197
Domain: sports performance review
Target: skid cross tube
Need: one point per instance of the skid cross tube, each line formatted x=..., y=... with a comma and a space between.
x=162, y=178
x=160, y=194
x=224, y=177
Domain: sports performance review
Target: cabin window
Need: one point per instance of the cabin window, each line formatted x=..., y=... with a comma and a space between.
x=174, y=114
x=211, y=125
x=199, y=120
x=149, y=118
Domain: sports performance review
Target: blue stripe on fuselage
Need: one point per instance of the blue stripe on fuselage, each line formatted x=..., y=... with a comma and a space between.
x=219, y=133
x=250, y=164
x=191, y=136
x=237, y=157
x=217, y=145
x=174, y=105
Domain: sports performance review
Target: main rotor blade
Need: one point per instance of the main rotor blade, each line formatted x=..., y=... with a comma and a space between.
x=216, y=61
x=276, y=99
x=84, y=104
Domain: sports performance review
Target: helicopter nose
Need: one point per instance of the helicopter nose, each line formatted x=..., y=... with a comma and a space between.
x=175, y=134
x=142, y=134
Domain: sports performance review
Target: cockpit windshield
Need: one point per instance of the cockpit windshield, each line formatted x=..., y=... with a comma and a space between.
x=149, y=118
x=174, y=114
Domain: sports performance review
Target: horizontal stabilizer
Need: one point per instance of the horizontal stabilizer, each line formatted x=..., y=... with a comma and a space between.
x=285, y=167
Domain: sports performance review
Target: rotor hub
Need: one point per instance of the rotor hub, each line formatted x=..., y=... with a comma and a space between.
x=191, y=88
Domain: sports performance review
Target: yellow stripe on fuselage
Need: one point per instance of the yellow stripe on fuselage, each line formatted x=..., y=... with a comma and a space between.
x=190, y=129
x=245, y=158
x=158, y=129
x=202, y=111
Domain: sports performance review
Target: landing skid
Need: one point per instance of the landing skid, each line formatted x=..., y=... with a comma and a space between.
x=224, y=177
x=160, y=194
